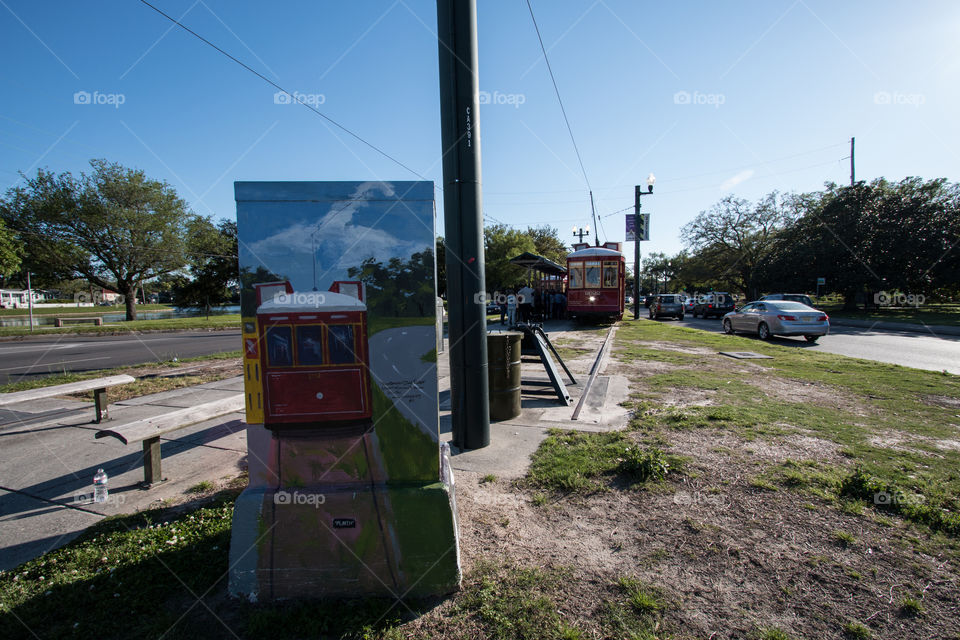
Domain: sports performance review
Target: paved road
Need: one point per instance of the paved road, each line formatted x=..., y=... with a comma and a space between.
x=31, y=357
x=917, y=350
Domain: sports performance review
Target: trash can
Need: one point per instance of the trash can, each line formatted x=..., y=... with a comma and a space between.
x=503, y=372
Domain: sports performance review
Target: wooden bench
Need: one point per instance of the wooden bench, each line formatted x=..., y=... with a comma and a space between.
x=149, y=430
x=99, y=386
x=97, y=320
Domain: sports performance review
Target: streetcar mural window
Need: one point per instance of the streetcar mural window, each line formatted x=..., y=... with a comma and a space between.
x=592, y=274
x=610, y=274
x=279, y=343
x=340, y=338
x=576, y=275
x=310, y=344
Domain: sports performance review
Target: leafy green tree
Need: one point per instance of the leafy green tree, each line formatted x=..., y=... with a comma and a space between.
x=115, y=227
x=548, y=244
x=212, y=252
x=10, y=251
x=735, y=237
x=500, y=244
x=400, y=288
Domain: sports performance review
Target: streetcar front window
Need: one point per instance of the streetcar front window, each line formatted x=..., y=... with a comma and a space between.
x=592, y=274
x=310, y=344
x=576, y=275
x=279, y=342
x=340, y=338
x=610, y=275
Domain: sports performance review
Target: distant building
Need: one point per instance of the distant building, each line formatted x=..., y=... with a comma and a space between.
x=17, y=298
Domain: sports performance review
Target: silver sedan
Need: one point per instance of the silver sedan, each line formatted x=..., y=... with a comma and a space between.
x=778, y=318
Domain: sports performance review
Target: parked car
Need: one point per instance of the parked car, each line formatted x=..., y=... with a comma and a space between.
x=795, y=297
x=778, y=318
x=715, y=304
x=689, y=304
x=667, y=304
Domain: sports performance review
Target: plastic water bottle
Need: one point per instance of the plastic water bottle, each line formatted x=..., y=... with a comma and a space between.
x=100, y=492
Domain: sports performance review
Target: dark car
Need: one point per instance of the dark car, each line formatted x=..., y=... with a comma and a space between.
x=793, y=297
x=714, y=304
x=666, y=304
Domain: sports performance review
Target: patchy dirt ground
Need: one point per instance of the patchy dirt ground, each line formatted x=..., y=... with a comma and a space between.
x=733, y=558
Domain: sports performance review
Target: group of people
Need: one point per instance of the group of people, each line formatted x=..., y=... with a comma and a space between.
x=526, y=304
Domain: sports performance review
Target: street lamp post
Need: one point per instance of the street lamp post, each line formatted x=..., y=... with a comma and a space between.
x=637, y=192
x=582, y=231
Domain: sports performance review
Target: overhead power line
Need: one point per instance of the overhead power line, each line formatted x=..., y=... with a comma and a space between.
x=293, y=96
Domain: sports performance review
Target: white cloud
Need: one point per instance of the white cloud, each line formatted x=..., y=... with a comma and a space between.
x=730, y=183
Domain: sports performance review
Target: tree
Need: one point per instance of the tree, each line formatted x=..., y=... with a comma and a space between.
x=500, y=244
x=548, y=244
x=398, y=288
x=212, y=253
x=115, y=227
x=739, y=236
x=10, y=251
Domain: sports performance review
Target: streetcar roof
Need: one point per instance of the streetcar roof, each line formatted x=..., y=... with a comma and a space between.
x=594, y=252
x=300, y=301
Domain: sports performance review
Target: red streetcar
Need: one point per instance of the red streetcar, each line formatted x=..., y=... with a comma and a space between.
x=314, y=356
x=595, y=282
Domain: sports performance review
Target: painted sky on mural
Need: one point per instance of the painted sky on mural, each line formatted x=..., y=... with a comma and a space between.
x=378, y=219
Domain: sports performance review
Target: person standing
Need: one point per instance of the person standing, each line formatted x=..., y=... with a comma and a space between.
x=511, y=308
x=525, y=300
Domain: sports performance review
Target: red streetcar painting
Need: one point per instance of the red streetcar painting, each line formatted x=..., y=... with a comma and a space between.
x=314, y=356
x=595, y=282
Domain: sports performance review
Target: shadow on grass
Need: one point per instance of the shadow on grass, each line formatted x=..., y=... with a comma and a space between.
x=163, y=573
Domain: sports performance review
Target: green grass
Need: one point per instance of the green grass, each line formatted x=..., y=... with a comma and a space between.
x=911, y=608
x=877, y=399
x=488, y=478
x=937, y=314
x=201, y=487
x=856, y=631
x=635, y=611
x=772, y=633
x=575, y=461
x=226, y=321
x=90, y=311
x=844, y=539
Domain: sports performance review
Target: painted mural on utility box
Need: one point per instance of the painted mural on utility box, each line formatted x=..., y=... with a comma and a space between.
x=339, y=352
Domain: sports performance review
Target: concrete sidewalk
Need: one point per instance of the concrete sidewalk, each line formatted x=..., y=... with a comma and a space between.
x=50, y=455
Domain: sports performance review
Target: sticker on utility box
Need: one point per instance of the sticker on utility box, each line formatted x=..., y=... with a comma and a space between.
x=344, y=523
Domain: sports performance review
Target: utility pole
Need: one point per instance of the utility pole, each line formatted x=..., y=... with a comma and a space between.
x=637, y=235
x=462, y=207
x=853, y=180
x=30, y=300
x=596, y=229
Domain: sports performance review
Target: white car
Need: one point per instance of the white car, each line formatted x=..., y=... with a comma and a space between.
x=777, y=318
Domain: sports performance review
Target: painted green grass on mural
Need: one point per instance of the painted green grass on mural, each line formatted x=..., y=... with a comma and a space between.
x=409, y=454
x=376, y=324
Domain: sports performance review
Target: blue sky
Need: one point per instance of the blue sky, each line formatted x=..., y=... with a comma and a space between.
x=714, y=98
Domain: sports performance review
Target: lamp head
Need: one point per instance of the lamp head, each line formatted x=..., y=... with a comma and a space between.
x=650, y=180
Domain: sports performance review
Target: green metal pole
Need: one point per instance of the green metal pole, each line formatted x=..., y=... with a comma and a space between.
x=463, y=222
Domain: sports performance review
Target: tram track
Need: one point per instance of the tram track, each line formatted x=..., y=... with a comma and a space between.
x=594, y=371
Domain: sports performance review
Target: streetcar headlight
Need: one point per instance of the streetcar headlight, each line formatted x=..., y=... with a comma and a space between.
x=593, y=299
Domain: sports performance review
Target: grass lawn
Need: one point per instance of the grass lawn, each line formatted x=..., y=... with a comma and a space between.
x=942, y=314
x=227, y=321
x=91, y=311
